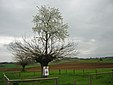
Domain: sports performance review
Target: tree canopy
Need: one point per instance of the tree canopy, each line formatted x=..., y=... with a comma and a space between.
x=48, y=43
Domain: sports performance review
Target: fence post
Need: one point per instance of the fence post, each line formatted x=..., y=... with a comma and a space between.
x=83, y=72
x=74, y=82
x=34, y=73
x=73, y=71
x=90, y=80
x=6, y=79
x=96, y=73
x=59, y=71
x=112, y=73
x=56, y=82
x=19, y=74
x=66, y=71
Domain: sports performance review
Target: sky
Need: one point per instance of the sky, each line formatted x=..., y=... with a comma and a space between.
x=90, y=24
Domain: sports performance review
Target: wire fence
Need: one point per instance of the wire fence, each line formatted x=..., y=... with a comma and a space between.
x=80, y=77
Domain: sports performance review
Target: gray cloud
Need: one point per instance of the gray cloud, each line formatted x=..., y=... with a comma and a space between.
x=90, y=22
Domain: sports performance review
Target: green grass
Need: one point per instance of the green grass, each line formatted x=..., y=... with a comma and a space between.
x=17, y=66
x=67, y=77
x=1, y=79
x=95, y=60
x=9, y=66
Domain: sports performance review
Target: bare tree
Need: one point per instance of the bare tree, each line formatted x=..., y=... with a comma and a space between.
x=22, y=58
x=49, y=42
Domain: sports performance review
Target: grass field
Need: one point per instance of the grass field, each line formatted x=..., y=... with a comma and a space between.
x=66, y=76
x=95, y=60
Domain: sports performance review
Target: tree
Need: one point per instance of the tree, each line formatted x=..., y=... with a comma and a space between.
x=21, y=58
x=49, y=43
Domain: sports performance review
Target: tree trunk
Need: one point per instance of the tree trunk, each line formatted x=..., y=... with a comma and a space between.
x=23, y=68
x=46, y=41
x=42, y=70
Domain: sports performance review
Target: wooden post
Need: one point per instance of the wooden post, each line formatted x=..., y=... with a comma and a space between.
x=34, y=73
x=74, y=82
x=112, y=73
x=19, y=74
x=96, y=73
x=90, y=80
x=6, y=79
x=56, y=82
x=66, y=71
x=73, y=71
x=83, y=72
x=59, y=72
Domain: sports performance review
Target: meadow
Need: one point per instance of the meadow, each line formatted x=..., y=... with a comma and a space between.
x=66, y=76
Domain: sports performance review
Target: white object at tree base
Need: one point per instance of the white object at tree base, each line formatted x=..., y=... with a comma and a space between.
x=45, y=71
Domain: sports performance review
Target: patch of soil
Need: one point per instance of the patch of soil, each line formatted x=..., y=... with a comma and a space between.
x=82, y=66
x=68, y=66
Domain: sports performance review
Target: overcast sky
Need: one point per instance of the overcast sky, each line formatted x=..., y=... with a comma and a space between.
x=90, y=24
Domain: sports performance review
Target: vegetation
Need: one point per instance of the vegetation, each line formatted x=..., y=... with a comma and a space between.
x=48, y=43
x=66, y=77
x=69, y=60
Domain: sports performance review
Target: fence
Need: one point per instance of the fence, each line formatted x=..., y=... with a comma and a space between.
x=95, y=75
x=7, y=81
x=84, y=74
